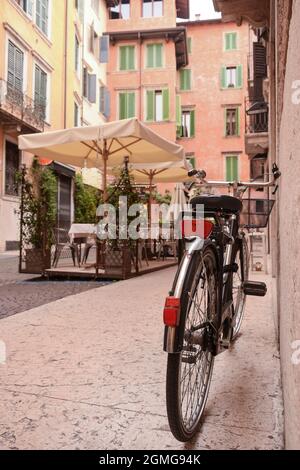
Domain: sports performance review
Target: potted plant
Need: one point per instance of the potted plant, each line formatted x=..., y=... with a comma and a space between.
x=38, y=214
x=118, y=253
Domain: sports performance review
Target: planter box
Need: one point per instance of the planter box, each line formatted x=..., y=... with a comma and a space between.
x=118, y=261
x=35, y=262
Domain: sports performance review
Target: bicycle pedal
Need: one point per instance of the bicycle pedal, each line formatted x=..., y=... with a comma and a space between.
x=255, y=288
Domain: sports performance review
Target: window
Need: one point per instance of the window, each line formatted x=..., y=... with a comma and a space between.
x=26, y=5
x=257, y=167
x=230, y=40
x=76, y=54
x=152, y=8
x=127, y=57
x=232, y=125
x=15, y=65
x=232, y=168
x=41, y=14
x=76, y=115
x=154, y=55
x=187, y=123
x=185, y=79
x=94, y=43
x=232, y=77
x=120, y=11
x=189, y=45
x=85, y=82
x=157, y=105
x=40, y=91
x=12, y=164
x=191, y=159
x=126, y=105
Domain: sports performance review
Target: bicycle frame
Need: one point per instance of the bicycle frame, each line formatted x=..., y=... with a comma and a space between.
x=222, y=244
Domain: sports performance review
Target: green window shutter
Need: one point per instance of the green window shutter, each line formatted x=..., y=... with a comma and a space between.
x=158, y=55
x=122, y=106
x=189, y=45
x=234, y=41
x=238, y=121
x=131, y=61
x=130, y=105
x=232, y=168
x=185, y=79
x=123, y=58
x=239, y=76
x=150, y=55
x=225, y=122
x=223, y=77
x=166, y=104
x=193, y=123
x=192, y=161
x=150, y=105
x=227, y=41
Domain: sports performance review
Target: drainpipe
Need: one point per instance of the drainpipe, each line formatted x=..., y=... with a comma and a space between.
x=66, y=64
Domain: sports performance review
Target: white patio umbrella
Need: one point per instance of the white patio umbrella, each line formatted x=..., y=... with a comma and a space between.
x=153, y=173
x=178, y=203
x=103, y=145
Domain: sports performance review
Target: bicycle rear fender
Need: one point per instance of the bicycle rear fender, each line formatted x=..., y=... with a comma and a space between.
x=172, y=340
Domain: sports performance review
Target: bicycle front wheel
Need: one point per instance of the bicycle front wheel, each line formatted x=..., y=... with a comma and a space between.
x=189, y=372
x=241, y=258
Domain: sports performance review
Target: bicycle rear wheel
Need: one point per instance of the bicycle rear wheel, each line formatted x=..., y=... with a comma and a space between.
x=189, y=372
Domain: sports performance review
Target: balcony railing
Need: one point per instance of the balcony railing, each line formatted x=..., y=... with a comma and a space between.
x=18, y=108
x=257, y=117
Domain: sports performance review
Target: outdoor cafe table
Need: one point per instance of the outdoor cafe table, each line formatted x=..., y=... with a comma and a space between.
x=80, y=233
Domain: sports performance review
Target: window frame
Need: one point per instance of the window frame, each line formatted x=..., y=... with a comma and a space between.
x=192, y=123
x=120, y=11
x=237, y=123
x=165, y=94
x=152, y=9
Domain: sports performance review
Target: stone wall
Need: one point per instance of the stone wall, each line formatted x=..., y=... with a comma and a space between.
x=289, y=227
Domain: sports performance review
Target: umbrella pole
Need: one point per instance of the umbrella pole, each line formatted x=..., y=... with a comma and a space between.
x=105, y=158
x=150, y=197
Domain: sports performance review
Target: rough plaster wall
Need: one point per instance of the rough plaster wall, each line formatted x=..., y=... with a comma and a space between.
x=289, y=209
x=284, y=11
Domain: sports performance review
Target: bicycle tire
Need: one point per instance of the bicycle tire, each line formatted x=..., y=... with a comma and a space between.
x=240, y=256
x=174, y=394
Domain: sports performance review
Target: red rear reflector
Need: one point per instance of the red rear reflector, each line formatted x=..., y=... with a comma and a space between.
x=171, y=311
x=196, y=227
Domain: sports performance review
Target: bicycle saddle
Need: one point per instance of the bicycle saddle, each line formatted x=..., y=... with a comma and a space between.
x=218, y=203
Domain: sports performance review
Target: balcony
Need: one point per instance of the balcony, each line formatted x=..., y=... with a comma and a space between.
x=18, y=110
x=257, y=127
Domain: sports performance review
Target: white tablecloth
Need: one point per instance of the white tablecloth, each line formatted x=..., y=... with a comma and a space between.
x=82, y=230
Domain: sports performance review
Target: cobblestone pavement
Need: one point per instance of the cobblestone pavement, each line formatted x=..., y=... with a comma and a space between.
x=88, y=372
x=20, y=292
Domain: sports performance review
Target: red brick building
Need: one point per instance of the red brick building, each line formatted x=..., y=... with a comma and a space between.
x=186, y=80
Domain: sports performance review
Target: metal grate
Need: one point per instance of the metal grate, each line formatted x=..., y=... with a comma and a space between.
x=256, y=212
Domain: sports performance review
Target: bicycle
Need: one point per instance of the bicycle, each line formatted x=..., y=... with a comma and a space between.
x=204, y=310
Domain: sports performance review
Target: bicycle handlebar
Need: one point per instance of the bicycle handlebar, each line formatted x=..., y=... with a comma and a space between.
x=201, y=175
